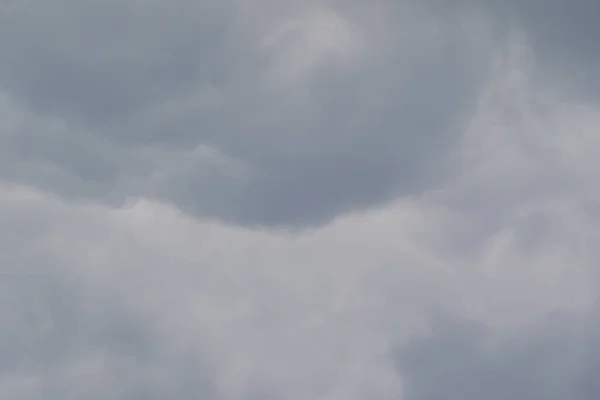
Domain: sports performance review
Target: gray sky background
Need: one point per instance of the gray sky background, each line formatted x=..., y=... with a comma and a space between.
x=262, y=200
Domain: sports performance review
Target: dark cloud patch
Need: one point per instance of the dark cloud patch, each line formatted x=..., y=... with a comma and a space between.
x=317, y=131
x=468, y=360
x=127, y=78
x=562, y=34
x=96, y=63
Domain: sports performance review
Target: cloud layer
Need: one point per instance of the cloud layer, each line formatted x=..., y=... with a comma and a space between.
x=250, y=114
x=161, y=163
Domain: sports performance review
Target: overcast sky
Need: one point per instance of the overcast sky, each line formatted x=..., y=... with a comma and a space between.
x=299, y=199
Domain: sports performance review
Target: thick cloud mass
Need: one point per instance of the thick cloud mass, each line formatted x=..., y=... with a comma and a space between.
x=259, y=115
x=562, y=34
x=160, y=161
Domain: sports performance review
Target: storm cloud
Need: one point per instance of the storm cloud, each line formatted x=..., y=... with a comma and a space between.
x=256, y=115
x=299, y=199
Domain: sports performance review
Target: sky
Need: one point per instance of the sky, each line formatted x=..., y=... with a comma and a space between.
x=317, y=199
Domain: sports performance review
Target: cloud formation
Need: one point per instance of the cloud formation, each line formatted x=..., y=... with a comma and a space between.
x=257, y=115
x=445, y=159
x=561, y=34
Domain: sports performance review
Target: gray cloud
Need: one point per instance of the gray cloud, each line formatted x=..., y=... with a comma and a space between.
x=59, y=342
x=337, y=109
x=466, y=360
x=561, y=33
x=474, y=277
x=527, y=190
x=63, y=338
x=300, y=113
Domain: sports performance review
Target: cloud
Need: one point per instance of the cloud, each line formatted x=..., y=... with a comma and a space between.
x=311, y=110
x=561, y=34
x=454, y=257
x=142, y=298
x=529, y=217
x=462, y=359
x=486, y=285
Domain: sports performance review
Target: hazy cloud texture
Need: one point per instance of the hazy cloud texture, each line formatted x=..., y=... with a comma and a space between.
x=262, y=200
